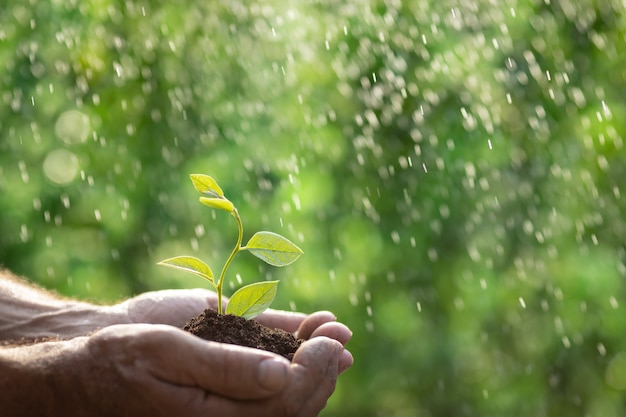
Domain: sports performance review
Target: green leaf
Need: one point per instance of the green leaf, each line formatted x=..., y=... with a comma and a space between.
x=251, y=300
x=206, y=185
x=190, y=264
x=218, y=203
x=273, y=248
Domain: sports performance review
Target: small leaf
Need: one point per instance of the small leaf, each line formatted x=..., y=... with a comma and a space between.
x=273, y=248
x=218, y=203
x=190, y=264
x=206, y=185
x=251, y=300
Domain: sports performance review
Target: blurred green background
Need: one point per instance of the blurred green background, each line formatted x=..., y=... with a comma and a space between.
x=453, y=171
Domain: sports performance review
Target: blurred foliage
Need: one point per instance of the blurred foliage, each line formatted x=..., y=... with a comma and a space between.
x=452, y=169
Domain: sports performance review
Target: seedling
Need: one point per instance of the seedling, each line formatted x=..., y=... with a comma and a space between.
x=274, y=249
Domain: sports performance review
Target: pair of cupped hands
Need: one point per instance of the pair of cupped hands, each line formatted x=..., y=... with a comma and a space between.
x=141, y=364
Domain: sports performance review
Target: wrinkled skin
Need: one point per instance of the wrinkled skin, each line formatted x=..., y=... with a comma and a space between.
x=139, y=364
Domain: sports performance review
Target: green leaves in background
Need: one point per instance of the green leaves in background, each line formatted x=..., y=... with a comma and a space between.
x=251, y=300
x=273, y=248
x=451, y=165
x=190, y=264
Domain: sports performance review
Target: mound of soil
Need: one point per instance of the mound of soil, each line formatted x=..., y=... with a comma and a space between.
x=226, y=328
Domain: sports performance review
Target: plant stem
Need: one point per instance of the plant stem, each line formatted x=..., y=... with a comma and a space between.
x=236, y=249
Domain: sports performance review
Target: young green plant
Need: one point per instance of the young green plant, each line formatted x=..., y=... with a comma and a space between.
x=274, y=249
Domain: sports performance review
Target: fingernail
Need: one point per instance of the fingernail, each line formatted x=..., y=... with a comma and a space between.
x=272, y=374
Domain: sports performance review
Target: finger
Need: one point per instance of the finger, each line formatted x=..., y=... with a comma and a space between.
x=340, y=333
x=312, y=377
x=227, y=370
x=334, y=330
x=317, y=362
x=312, y=322
x=346, y=361
x=288, y=321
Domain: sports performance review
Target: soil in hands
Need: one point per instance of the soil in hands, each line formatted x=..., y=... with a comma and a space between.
x=236, y=330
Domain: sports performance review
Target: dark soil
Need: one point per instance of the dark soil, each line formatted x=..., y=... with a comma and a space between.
x=235, y=330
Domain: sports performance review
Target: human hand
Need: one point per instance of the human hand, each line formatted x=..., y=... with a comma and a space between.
x=175, y=307
x=157, y=370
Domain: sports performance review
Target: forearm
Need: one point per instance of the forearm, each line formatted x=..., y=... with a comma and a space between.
x=39, y=380
x=27, y=312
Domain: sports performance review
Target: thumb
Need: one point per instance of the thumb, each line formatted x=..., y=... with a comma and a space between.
x=228, y=370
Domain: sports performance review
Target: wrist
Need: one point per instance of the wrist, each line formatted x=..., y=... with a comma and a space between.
x=64, y=320
x=31, y=313
x=80, y=319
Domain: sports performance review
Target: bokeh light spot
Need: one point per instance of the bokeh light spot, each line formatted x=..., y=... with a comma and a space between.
x=60, y=166
x=72, y=127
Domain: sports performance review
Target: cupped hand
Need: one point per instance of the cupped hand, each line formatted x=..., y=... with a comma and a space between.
x=158, y=370
x=175, y=307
